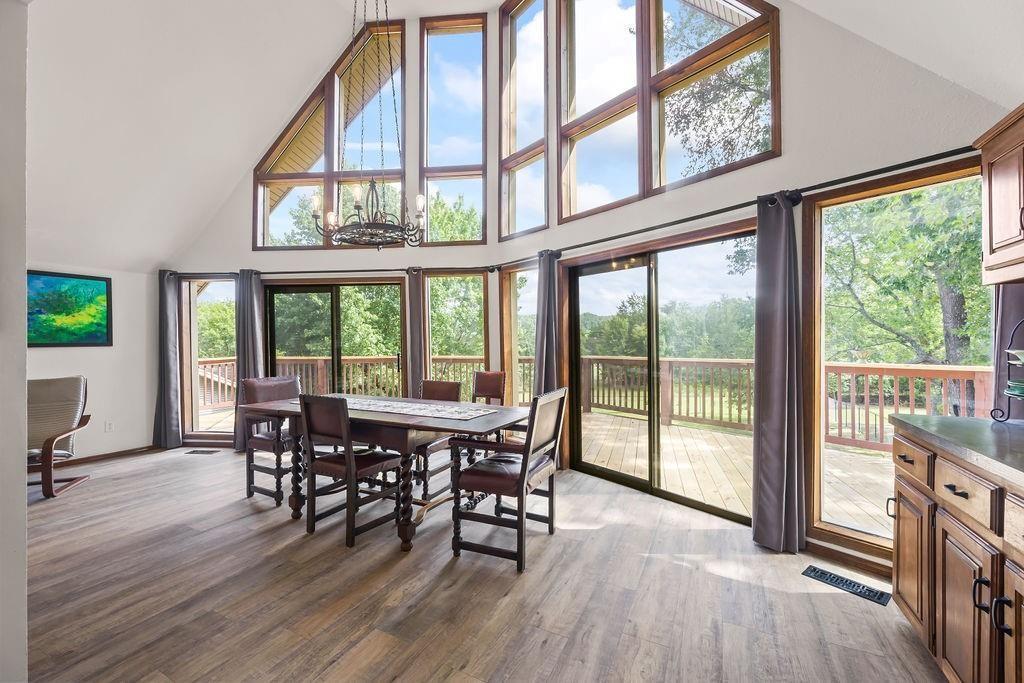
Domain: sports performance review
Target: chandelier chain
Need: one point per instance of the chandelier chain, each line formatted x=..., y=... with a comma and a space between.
x=344, y=98
x=362, y=113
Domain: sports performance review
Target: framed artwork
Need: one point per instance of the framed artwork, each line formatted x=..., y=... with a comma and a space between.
x=68, y=310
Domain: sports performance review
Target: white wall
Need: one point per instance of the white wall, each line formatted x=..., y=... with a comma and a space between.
x=13, y=609
x=122, y=377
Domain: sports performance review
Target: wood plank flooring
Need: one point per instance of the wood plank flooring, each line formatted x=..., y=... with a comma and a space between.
x=159, y=569
x=716, y=467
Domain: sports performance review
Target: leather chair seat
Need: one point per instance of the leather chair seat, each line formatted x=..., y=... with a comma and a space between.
x=368, y=464
x=498, y=474
x=263, y=439
x=35, y=455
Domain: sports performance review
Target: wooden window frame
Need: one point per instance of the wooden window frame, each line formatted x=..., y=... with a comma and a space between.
x=510, y=159
x=428, y=273
x=811, y=268
x=297, y=285
x=328, y=92
x=643, y=98
x=473, y=22
x=505, y=275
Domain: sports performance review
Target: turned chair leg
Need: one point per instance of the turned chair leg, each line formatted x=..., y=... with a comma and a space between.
x=398, y=495
x=521, y=534
x=497, y=506
x=426, y=476
x=456, y=504
x=278, y=476
x=551, y=504
x=249, y=474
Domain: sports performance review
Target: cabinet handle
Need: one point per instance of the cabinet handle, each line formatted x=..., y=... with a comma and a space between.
x=887, y=513
x=1022, y=218
x=952, y=489
x=997, y=616
x=904, y=458
x=976, y=593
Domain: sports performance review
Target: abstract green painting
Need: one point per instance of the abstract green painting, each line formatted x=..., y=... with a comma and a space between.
x=68, y=310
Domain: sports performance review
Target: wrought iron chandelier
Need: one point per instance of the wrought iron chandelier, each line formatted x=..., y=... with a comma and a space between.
x=373, y=222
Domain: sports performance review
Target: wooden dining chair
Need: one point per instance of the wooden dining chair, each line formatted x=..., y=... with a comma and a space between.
x=489, y=385
x=435, y=390
x=513, y=469
x=267, y=434
x=325, y=422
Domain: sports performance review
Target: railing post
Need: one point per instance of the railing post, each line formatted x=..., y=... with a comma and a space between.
x=665, y=378
x=982, y=393
x=586, y=380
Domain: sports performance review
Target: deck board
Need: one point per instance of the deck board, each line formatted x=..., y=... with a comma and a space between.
x=716, y=467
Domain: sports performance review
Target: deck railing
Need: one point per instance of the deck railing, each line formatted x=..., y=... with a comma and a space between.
x=718, y=392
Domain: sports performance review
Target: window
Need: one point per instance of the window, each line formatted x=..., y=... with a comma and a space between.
x=519, y=334
x=457, y=327
x=648, y=103
x=360, y=98
x=523, y=114
x=208, y=356
x=452, y=153
x=904, y=326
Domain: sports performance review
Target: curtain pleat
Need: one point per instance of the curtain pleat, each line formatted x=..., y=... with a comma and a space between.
x=414, y=364
x=545, y=376
x=249, y=354
x=167, y=421
x=779, y=512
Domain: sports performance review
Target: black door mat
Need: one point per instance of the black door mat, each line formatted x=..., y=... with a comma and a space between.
x=848, y=585
x=200, y=451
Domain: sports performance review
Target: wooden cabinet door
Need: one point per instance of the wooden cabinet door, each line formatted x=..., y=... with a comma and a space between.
x=1003, y=210
x=1010, y=617
x=964, y=564
x=912, y=558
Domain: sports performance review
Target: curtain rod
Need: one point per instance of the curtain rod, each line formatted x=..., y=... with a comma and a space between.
x=960, y=151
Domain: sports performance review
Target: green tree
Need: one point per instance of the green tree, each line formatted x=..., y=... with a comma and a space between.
x=725, y=116
x=456, y=315
x=215, y=321
x=452, y=222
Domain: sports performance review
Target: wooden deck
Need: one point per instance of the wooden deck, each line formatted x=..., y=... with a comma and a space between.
x=716, y=467
x=215, y=420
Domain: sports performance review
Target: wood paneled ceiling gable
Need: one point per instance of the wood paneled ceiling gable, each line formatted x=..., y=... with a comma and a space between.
x=373, y=57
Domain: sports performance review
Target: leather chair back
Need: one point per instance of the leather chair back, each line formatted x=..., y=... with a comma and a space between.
x=325, y=422
x=262, y=389
x=438, y=390
x=489, y=385
x=544, y=428
x=55, y=405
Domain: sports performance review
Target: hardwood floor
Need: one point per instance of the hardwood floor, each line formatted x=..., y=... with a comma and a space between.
x=158, y=569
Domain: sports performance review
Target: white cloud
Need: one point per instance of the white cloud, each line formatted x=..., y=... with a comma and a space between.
x=464, y=86
x=529, y=196
x=590, y=195
x=605, y=45
x=455, y=149
x=529, y=104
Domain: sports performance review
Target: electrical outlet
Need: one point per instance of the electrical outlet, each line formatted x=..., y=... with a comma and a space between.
x=108, y=426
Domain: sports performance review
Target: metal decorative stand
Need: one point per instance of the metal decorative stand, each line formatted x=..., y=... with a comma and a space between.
x=1012, y=361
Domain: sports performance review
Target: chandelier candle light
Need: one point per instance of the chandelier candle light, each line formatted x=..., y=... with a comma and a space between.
x=371, y=223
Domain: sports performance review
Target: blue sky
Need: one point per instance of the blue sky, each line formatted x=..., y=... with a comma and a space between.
x=697, y=275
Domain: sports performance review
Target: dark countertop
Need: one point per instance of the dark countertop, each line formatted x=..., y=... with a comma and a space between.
x=993, y=446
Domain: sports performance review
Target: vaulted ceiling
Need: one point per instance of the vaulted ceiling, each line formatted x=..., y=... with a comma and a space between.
x=144, y=115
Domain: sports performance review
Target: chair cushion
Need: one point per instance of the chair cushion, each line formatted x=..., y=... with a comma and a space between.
x=263, y=439
x=499, y=474
x=35, y=455
x=368, y=463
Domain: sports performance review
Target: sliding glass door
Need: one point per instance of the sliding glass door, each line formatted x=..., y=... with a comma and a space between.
x=673, y=417
x=345, y=338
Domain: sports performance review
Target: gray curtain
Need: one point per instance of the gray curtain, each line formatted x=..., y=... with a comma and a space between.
x=414, y=364
x=545, y=376
x=1009, y=310
x=248, y=340
x=167, y=422
x=779, y=514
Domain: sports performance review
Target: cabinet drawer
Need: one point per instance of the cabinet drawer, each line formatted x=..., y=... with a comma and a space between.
x=963, y=490
x=912, y=460
x=1013, y=520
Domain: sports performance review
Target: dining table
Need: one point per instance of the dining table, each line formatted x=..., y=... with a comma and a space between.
x=395, y=424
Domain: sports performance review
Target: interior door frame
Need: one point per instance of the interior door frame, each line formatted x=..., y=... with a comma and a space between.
x=568, y=362
x=331, y=286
